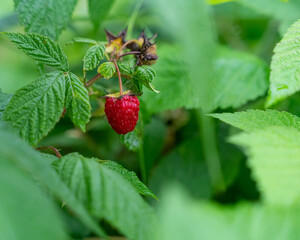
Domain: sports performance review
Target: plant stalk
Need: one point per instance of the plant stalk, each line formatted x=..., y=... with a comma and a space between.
x=210, y=149
x=119, y=76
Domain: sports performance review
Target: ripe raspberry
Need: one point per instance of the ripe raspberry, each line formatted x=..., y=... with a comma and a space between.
x=122, y=113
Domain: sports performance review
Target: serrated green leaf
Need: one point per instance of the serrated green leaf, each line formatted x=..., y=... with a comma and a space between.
x=4, y=100
x=77, y=101
x=48, y=18
x=238, y=78
x=145, y=74
x=99, y=10
x=19, y=194
x=132, y=140
x=107, y=195
x=23, y=156
x=41, y=49
x=184, y=218
x=130, y=176
x=93, y=56
x=127, y=67
x=274, y=157
x=107, y=69
x=35, y=109
x=251, y=120
x=284, y=78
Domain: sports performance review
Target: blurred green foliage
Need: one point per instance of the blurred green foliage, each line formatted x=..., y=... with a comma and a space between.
x=212, y=59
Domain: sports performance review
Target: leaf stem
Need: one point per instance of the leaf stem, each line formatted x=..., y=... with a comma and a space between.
x=119, y=76
x=94, y=79
x=57, y=153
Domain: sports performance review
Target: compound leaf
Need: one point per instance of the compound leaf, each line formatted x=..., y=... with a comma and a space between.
x=107, y=195
x=127, y=67
x=274, y=157
x=21, y=155
x=93, y=56
x=19, y=194
x=285, y=70
x=35, y=109
x=41, y=49
x=48, y=18
x=145, y=75
x=107, y=69
x=258, y=119
x=77, y=101
x=130, y=176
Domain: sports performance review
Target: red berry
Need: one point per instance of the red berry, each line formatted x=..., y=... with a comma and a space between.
x=122, y=113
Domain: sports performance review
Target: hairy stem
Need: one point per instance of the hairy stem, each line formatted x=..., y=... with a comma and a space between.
x=119, y=76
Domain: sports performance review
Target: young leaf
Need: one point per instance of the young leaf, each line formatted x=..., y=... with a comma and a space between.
x=107, y=69
x=4, y=100
x=258, y=119
x=107, y=195
x=48, y=18
x=35, y=109
x=41, y=49
x=127, y=67
x=22, y=155
x=130, y=176
x=284, y=80
x=19, y=194
x=274, y=157
x=145, y=74
x=77, y=101
x=99, y=10
x=93, y=56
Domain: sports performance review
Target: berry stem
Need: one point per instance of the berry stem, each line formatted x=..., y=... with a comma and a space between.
x=119, y=76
